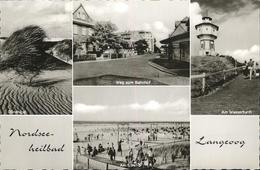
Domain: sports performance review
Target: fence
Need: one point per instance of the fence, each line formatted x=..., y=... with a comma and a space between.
x=86, y=57
x=203, y=76
x=102, y=162
x=87, y=162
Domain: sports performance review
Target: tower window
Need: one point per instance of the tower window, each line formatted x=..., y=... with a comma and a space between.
x=212, y=45
x=202, y=44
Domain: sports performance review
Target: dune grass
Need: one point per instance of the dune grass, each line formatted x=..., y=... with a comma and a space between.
x=22, y=52
x=209, y=64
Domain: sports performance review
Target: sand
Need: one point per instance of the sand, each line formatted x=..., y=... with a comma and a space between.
x=51, y=93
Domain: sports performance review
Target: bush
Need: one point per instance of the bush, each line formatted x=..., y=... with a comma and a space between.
x=22, y=52
x=87, y=57
x=113, y=55
x=209, y=65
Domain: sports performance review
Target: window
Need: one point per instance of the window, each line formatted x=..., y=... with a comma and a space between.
x=211, y=45
x=202, y=44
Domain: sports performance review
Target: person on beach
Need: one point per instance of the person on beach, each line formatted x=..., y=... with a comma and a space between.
x=78, y=150
x=119, y=149
x=250, y=67
x=101, y=148
x=150, y=158
x=254, y=70
x=257, y=70
x=110, y=153
x=95, y=152
x=140, y=157
x=246, y=70
x=76, y=137
x=127, y=161
x=113, y=153
x=174, y=156
x=108, y=147
x=89, y=149
x=85, y=151
x=131, y=156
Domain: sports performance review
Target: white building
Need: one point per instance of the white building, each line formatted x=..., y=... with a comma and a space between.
x=207, y=33
x=132, y=36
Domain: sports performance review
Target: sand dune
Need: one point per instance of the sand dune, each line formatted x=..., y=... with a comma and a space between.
x=46, y=96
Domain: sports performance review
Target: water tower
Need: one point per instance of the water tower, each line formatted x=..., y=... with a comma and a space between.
x=207, y=33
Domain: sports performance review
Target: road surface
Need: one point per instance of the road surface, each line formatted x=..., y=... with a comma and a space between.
x=134, y=67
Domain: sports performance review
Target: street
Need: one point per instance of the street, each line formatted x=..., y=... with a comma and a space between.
x=135, y=67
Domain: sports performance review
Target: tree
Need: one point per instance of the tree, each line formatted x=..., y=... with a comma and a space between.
x=156, y=49
x=105, y=38
x=22, y=52
x=141, y=46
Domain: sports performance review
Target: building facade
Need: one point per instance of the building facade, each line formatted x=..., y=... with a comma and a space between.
x=132, y=36
x=177, y=46
x=207, y=33
x=83, y=28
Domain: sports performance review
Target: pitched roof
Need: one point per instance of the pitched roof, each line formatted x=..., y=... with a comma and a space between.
x=81, y=6
x=181, y=31
x=181, y=27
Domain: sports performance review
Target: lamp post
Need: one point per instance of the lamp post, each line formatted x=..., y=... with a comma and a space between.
x=109, y=52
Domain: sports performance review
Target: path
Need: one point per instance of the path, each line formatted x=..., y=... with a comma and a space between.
x=100, y=162
x=239, y=95
x=130, y=67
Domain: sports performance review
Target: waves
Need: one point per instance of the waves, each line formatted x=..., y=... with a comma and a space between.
x=16, y=99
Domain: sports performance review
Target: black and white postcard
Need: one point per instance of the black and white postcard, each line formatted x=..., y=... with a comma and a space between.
x=147, y=130
x=131, y=42
x=129, y=84
x=225, y=57
x=35, y=57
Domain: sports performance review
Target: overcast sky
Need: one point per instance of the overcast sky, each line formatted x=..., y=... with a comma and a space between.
x=131, y=103
x=53, y=16
x=155, y=16
x=238, y=22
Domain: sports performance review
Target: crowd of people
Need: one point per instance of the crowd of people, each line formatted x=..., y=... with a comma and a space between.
x=142, y=156
x=251, y=69
x=136, y=146
x=94, y=151
x=89, y=137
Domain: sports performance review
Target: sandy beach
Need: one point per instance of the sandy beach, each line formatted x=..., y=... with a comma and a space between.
x=50, y=93
x=167, y=142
